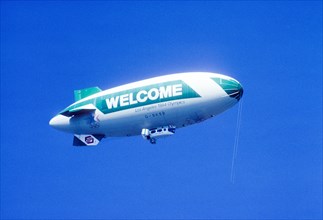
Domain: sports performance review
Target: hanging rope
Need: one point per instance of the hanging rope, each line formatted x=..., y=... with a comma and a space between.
x=236, y=143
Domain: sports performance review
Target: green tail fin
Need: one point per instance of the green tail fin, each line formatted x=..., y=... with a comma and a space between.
x=82, y=93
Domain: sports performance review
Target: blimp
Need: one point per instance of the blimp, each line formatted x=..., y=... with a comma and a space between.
x=153, y=108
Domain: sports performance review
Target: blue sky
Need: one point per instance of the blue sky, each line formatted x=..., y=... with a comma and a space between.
x=274, y=49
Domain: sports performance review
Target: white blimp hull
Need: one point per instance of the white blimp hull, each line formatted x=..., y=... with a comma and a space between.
x=167, y=102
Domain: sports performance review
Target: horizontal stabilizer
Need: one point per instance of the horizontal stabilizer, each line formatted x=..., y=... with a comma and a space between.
x=82, y=93
x=79, y=111
x=87, y=139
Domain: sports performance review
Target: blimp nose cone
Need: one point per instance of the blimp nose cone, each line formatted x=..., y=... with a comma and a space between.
x=59, y=122
x=236, y=92
x=231, y=86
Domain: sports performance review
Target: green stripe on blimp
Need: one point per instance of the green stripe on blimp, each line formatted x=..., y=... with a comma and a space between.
x=141, y=96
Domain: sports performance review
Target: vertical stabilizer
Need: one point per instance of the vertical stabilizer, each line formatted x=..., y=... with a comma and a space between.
x=82, y=93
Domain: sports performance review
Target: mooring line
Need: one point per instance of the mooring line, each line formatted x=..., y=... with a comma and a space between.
x=236, y=143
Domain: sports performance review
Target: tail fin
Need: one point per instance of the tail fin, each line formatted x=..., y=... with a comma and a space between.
x=87, y=139
x=82, y=93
